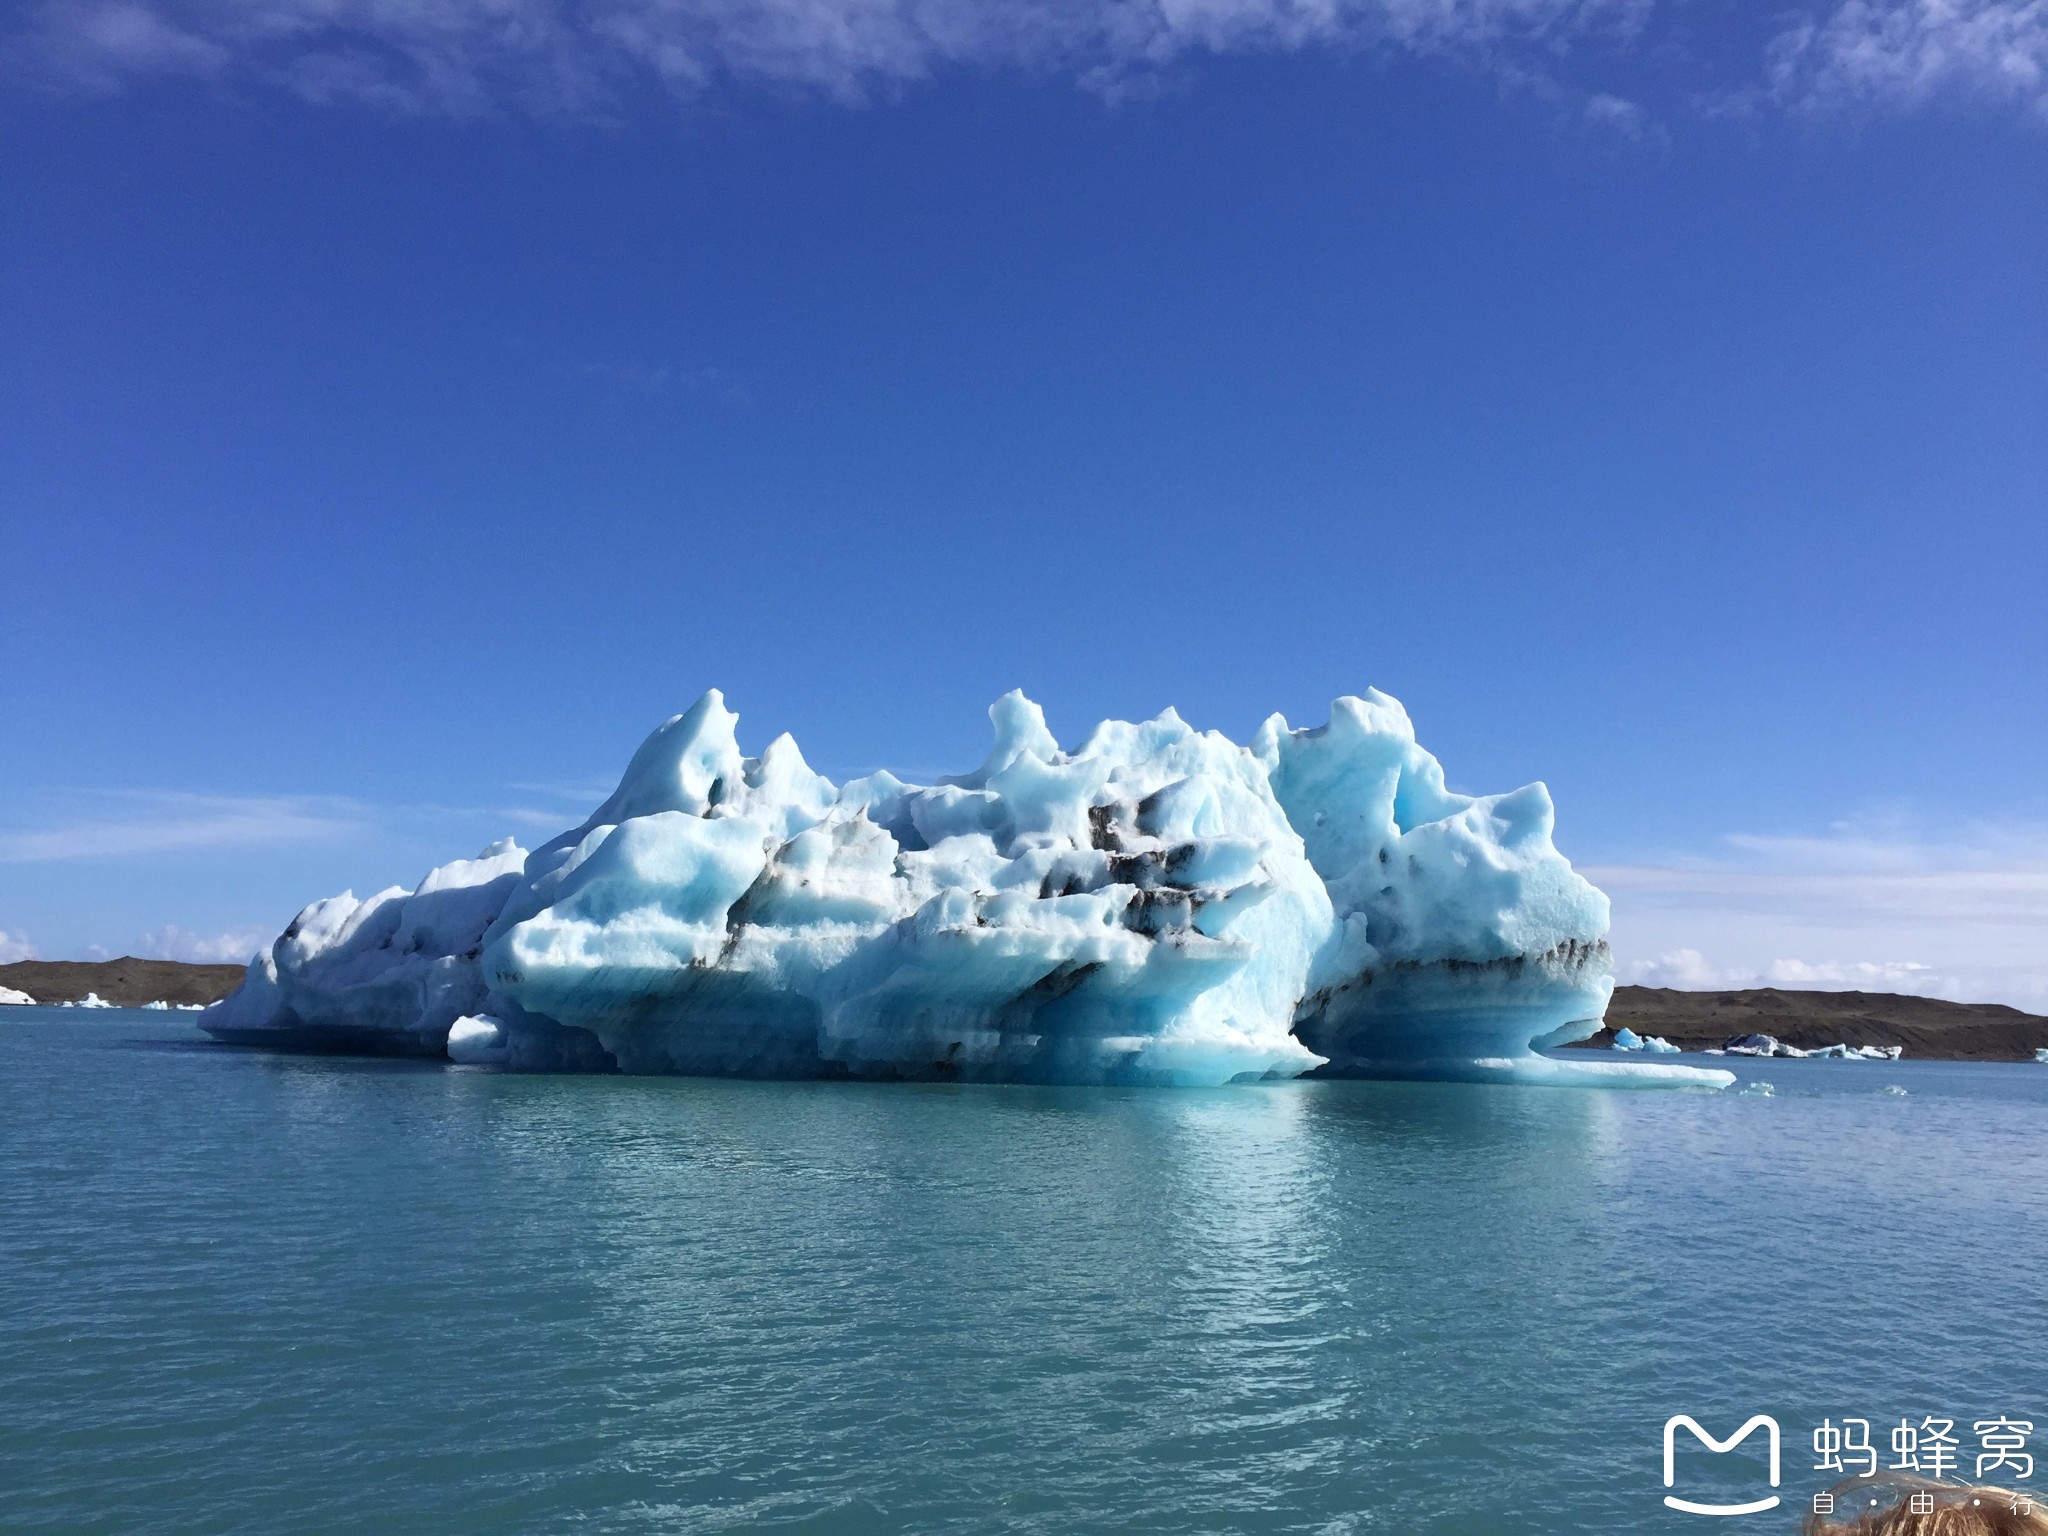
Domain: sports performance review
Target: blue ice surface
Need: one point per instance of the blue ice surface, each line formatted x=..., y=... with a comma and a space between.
x=1158, y=905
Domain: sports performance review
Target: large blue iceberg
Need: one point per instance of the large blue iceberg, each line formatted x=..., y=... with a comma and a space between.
x=1159, y=905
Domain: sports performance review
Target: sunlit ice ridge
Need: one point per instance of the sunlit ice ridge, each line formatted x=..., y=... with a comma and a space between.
x=1160, y=906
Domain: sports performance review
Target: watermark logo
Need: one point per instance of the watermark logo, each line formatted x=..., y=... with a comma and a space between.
x=1720, y=1447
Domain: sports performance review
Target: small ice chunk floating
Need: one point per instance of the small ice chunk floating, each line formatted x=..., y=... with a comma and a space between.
x=1626, y=1039
x=1158, y=905
x=1771, y=1045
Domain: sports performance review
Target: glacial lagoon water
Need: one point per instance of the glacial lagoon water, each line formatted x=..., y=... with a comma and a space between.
x=254, y=1293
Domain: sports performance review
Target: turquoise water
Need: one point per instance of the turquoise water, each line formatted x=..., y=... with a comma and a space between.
x=246, y=1293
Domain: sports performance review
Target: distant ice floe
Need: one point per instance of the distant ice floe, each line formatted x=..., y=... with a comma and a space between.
x=1156, y=905
x=1771, y=1045
x=1626, y=1039
x=90, y=1000
x=2041, y=1054
x=160, y=1006
x=11, y=998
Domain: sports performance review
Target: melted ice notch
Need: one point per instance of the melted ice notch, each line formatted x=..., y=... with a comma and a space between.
x=1158, y=905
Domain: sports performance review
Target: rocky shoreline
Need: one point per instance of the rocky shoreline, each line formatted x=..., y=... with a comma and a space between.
x=126, y=982
x=1925, y=1028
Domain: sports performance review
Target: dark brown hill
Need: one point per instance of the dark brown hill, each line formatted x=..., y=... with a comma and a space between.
x=128, y=982
x=1928, y=1027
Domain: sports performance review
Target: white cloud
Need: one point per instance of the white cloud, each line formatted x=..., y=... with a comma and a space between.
x=163, y=821
x=235, y=947
x=100, y=45
x=587, y=58
x=530, y=816
x=1962, y=916
x=1689, y=970
x=1904, y=53
x=1615, y=114
x=467, y=57
x=472, y=58
x=1894, y=976
x=15, y=946
x=1686, y=969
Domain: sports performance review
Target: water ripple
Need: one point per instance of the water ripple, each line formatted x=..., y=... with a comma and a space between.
x=245, y=1294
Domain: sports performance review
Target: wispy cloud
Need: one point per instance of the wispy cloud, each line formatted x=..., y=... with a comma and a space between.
x=533, y=817
x=586, y=795
x=1962, y=915
x=125, y=824
x=588, y=58
x=1615, y=114
x=116, y=824
x=235, y=947
x=100, y=47
x=2014, y=897
x=468, y=57
x=128, y=829
x=1691, y=970
x=1902, y=54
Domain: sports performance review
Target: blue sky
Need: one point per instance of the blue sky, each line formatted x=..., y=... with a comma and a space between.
x=405, y=406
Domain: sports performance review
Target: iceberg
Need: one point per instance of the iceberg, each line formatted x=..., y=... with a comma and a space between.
x=1759, y=1045
x=1626, y=1039
x=1856, y=1052
x=1771, y=1045
x=1157, y=905
x=388, y=975
x=90, y=1000
x=10, y=997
